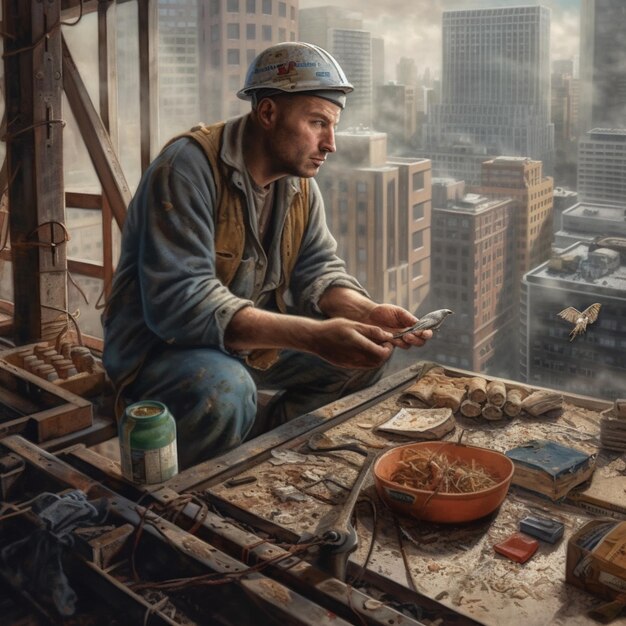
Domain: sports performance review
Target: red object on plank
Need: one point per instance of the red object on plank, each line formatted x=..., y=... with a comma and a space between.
x=518, y=547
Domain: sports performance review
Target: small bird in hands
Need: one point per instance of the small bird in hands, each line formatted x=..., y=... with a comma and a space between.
x=580, y=320
x=432, y=321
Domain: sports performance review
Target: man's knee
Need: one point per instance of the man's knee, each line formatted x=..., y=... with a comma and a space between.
x=211, y=395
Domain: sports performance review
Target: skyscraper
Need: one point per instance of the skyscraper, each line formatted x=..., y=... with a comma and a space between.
x=523, y=181
x=602, y=64
x=341, y=33
x=595, y=362
x=378, y=209
x=495, y=89
x=602, y=167
x=234, y=32
x=179, y=75
x=472, y=273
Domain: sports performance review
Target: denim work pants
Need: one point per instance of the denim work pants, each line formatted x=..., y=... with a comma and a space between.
x=213, y=396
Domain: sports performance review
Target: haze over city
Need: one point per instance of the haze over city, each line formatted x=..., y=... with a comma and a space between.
x=413, y=29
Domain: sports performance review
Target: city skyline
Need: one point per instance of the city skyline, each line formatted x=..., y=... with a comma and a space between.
x=413, y=29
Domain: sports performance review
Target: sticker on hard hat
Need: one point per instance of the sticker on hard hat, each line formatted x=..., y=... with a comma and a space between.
x=325, y=74
x=283, y=68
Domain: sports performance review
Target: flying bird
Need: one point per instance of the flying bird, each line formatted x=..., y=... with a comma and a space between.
x=432, y=321
x=580, y=320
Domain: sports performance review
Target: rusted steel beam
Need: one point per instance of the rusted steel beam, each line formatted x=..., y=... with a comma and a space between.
x=96, y=139
x=170, y=542
x=34, y=139
x=291, y=570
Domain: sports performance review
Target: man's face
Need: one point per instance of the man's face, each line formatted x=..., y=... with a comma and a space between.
x=302, y=134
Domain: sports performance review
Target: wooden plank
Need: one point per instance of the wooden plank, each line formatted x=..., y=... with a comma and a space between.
x=17, y=402
x=32, y=57
x=85, y=268
x=77, y=200
x=96, y=139
x=61, y=420
x=57, y=412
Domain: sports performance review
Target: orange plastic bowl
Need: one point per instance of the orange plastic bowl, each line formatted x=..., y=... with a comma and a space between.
x=444, y=507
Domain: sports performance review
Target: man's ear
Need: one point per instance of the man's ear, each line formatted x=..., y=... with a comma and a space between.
x=267, y=111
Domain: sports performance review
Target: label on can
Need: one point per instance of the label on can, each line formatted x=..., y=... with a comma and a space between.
x=149, y=466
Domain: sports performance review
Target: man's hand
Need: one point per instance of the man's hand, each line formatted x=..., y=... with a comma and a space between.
x=351, y=344
x=341, y=341
x=394, y=319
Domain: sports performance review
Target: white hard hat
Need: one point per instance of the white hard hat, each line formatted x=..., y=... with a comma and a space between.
x=295, y=67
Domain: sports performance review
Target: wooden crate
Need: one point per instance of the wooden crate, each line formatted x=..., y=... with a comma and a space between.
x=37, y=409
x=86, y=379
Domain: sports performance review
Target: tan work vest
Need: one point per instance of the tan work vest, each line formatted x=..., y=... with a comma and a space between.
x=230, y=228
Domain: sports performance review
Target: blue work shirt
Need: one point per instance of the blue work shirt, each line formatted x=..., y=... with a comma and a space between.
x=165, y=289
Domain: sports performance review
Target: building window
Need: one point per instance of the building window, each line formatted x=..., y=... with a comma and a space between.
x=215, y=33
x=292, y=36
x=282, y=34
x=292, y=12
x=282, y=9
x=267, y=33
x=418, y=211
x=214, y=7
x=250, y=55
x=233, y=82
x=232, y=6
x=250, y=31
x=418, y=239
x=418, y=181
x=361, y=187
x=392, y=280
x=250, y=6
x=267, y=7
x=417, y=269
x=232, y=31
x=232, y=56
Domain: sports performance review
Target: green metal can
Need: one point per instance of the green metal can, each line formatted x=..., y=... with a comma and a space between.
x=147, y=435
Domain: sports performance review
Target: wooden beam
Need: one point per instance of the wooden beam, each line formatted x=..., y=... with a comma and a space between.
x=107, y=70
x=79, y=200
x=96, y=139
x=71, y=9
x=148, y=118
x=85, y=268
x=34, y=139
x=107, y=248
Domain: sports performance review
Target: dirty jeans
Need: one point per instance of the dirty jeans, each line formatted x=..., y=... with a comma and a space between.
x=213, y=396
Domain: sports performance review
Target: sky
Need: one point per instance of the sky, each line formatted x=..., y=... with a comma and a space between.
x=412, y=28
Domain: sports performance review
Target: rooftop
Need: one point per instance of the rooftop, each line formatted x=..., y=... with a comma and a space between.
x=570, y=259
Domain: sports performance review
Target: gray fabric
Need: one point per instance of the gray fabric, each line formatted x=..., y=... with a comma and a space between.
x=34, y=563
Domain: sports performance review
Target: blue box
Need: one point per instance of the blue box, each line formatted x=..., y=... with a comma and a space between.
x=544, y=528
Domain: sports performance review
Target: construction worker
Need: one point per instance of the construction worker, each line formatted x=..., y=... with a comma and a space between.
x=228, y=277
